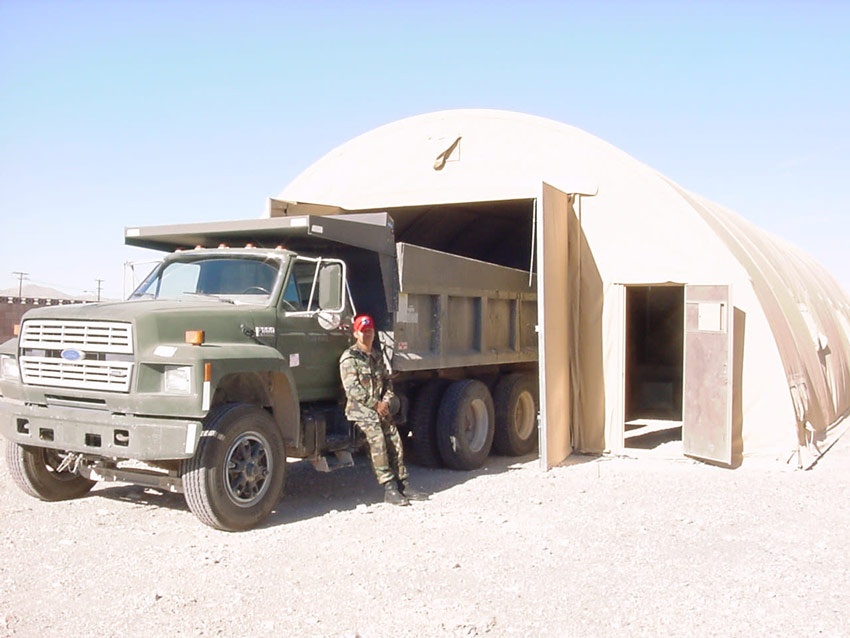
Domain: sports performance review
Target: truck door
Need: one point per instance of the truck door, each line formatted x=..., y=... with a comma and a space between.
x=554, y=324
x=310, y=333
x=708, y=383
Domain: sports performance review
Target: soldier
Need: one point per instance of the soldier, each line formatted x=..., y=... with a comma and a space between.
x=369, y=390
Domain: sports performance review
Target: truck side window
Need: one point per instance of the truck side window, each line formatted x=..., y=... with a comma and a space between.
x=290, y=295
x=297, y=291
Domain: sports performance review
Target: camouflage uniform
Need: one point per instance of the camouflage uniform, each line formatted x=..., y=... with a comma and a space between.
x=367, y=381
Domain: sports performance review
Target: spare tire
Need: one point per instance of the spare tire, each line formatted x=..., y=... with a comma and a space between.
x=515, y=401
x=465, y=425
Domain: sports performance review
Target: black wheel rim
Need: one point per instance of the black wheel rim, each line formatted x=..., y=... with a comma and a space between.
x=248, y=467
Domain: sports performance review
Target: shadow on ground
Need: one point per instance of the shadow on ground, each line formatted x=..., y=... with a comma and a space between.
x=309, y=493
x=655, y=438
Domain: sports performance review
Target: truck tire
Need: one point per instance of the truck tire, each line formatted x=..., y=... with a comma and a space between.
x=465, y=425
x=423, y=423
x=515, y=401
x=33, y=469
x=237, y=474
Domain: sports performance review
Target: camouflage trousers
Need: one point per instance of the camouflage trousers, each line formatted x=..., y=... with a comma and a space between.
x=384, y=450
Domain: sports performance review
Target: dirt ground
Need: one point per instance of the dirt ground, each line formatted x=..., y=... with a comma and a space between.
x=606, y=546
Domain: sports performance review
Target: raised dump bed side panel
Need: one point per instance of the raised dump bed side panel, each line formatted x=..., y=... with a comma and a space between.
x=455, y=312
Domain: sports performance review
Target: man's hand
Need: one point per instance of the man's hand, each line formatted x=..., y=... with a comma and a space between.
x=382, y=408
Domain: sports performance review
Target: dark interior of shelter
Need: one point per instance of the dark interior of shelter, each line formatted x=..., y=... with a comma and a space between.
x=498, y=232
x=654, y=364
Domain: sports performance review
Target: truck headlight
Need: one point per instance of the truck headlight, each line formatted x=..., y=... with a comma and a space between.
x=178, y=379
x=9, y=367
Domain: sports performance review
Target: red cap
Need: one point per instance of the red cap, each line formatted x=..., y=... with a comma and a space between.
x=363, y=321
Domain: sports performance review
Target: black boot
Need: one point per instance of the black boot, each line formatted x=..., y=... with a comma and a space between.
x=410, y=493
x=393, y=496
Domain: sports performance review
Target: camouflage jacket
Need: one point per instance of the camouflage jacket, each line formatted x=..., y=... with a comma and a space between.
x=366, y=381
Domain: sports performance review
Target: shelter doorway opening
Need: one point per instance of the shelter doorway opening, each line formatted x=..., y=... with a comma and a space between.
x=654, y=364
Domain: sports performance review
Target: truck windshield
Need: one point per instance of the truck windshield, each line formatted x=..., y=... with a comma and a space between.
x=231, y=279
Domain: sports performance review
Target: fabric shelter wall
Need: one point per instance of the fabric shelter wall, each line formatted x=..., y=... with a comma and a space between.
x=808, y=314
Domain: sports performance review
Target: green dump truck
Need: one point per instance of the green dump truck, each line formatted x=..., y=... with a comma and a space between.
x=224, y=363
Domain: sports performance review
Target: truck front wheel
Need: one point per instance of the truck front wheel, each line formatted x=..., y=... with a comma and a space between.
x=236, y=476
x=465, y=425
x=35, y=471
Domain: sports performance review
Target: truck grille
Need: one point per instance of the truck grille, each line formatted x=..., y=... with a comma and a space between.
x=104, y=349
x=89, y=375
x=90, y=336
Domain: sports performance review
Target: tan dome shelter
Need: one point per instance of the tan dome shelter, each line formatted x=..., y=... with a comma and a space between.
x=655, y=305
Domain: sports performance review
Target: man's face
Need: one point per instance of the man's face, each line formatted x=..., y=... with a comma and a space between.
x=365, y=337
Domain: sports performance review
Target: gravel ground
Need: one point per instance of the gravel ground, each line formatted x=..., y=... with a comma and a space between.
x=604, y=546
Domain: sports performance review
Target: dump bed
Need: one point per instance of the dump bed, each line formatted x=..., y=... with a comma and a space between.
x=456, y=312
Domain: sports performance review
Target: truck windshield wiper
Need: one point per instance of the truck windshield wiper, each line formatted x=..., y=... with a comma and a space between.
x=207, y=295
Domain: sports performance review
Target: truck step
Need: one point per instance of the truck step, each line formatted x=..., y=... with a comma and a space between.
x=334, y=442
x=339, y=460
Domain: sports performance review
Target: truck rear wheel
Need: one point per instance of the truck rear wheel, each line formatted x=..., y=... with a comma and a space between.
x=515, y=401
x=237, y=474
x=423, y=423
x=465, y=425
x=34, y=470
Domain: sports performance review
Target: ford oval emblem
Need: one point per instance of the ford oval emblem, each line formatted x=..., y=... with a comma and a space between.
x=72, y=354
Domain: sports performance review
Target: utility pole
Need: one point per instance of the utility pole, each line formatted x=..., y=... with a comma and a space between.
x=99, y=286
x=21, y=276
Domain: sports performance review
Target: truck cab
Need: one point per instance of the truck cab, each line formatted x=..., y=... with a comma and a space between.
x=86, y=387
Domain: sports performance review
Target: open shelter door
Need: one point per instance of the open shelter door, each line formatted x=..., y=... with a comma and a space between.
x=708, y=384
x=554, y=324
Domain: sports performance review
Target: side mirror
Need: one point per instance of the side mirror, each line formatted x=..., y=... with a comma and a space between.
x=329, y=320
x=331, y=287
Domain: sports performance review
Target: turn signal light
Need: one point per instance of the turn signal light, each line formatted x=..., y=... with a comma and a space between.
x=195, y=337
x=16, y=330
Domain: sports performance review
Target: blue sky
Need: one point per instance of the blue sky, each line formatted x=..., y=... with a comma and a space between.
x=127, y=112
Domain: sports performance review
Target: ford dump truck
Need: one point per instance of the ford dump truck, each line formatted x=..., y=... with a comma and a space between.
x=224, y=363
